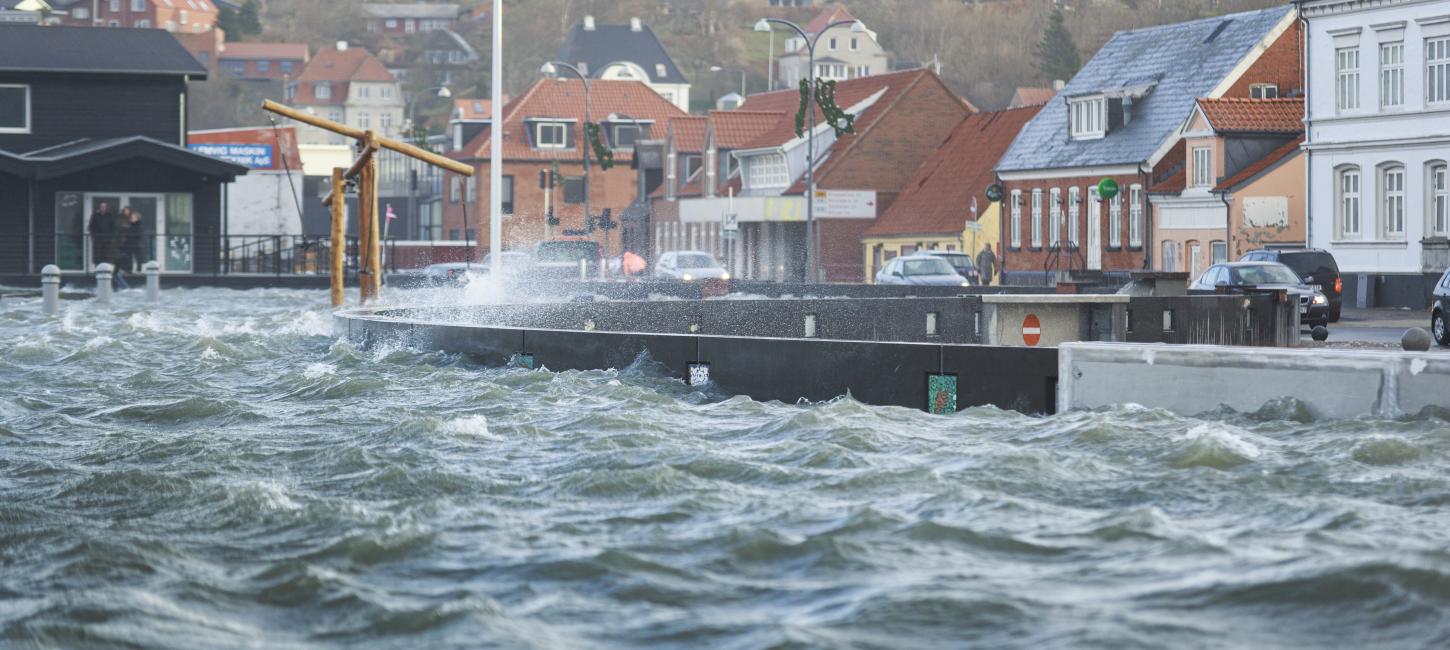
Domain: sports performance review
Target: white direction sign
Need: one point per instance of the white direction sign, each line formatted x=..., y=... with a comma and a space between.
x=845, y=204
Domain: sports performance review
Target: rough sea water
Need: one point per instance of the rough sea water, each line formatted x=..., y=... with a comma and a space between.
x=217, y=471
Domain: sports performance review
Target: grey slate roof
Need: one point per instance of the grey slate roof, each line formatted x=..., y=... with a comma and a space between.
x=607, y=44
x=1180, y=59
x=31, y=48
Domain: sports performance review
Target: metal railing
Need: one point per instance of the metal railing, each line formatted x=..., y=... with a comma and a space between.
x=1059, y=252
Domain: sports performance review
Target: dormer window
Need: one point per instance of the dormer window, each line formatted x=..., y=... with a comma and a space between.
x=323, y=90
x=660, y=70
x=1202, y=167
x=1087, y=118
x=623, y=136
x=550, y=135
x=1264, y=91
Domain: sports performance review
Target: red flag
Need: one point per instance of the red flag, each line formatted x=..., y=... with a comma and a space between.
x=391, y=215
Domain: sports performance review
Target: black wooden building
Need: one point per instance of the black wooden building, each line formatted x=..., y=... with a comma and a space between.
x=93, y=116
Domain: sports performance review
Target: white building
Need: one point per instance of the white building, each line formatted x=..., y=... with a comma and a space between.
x=1378, y=136
x=348, y=85
x=625, y=52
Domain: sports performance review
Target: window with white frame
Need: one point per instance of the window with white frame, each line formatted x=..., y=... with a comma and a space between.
x=1346, y=78
x=1439, y=200
x=364, y=121
x=1392, y=201
x=1348, y=201
x=391, y=23
x=1202, y=167
x=385, y=121
x=1016, y=218
x=1074, y=210
x=1264, y=91
x=1087, y=118
x=471, y=189
x=14, y=109
x=115, y=6
x=550, y=135
x=768, y=170
x=363, y=91
x=1115, y=220
x=81, y=13
x=1437, y=70
x=1135, y=214
x=323, y=90
x=832, y=43
x=1392, y=75
x=855, y=44
x=138, y=5
x=143, y=24
x=1037, y=218
x=1054, y=225
x=1218, y=252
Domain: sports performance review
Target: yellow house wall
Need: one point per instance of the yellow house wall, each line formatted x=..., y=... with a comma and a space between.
x=967, y=240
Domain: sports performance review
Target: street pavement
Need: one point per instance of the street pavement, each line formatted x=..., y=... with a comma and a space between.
x=1377, y=327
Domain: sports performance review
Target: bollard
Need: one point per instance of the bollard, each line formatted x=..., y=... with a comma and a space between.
x=153, y=281
x=50, y=289
x=104, y=272
x=583, y=271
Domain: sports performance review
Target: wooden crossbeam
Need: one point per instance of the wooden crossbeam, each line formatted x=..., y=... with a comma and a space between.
x=358, y=134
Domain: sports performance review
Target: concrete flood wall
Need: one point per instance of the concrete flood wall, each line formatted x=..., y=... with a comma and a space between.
x=928, y=376
x=1192, y=379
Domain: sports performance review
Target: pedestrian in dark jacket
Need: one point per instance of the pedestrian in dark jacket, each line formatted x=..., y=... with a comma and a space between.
x=133, y=253
x=102, y=228
x=986, y=264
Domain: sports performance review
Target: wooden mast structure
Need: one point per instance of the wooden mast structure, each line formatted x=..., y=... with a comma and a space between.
x=364, y=171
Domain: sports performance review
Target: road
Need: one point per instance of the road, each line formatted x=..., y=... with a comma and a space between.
x=1377, y=326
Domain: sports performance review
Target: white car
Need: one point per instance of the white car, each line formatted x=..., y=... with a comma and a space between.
x=921, y=269
x=689, y=266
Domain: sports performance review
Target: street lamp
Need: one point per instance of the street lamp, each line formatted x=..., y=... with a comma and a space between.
x=551, y=69
x=857, y=27
x=413, y=183
x=716, y=68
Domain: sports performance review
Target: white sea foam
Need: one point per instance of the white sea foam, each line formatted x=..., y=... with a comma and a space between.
x=468, y=425
x=315, y=370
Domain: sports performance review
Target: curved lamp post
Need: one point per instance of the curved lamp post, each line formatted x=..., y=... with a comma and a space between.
x=551, y=69
x=443, y=91
x=857, y=27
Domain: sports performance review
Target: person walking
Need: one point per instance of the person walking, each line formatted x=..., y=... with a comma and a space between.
x=986, y=265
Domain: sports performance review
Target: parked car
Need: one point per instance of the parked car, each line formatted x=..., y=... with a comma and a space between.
x=559, y=259
x=962, y=262
x=1314, y=266
x=688, y=266
x=920, y=269
x=453, y=273
x=1238, y=276
x=514, y=262
x=1440, y=311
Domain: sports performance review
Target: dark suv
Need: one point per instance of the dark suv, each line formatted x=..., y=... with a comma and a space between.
x=1440, y=311
x=1315, y=266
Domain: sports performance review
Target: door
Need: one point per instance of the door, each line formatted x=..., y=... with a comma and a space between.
x=1094, y=230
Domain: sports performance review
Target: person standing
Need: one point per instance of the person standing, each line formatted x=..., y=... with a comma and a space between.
x=133, y=252
x=102, y=229
x=987, y=264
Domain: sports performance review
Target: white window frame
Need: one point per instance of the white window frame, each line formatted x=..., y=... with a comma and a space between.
x=1016, y=218
x=1054, y=214
x=855, y=44
x=1115, y=220
x=1264, y=91
x=1437, y=203
x=769, y=171
x=1203, y=167
x=1437, y=71
x=29, y=111
x=1087, y=117
x=1074, y=211
x=115, y=6
x=1135, y=215
x=364, y=121
x=138, y=5
x=1348, y=208
x=1391, y=182
x=80, y=13
x=322, y=90
x=554, y=127
x=1346, y=79
x=1037, y=218
x=1392, y=74
x=831, y=44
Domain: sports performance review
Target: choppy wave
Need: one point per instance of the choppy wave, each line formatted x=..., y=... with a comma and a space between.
x=217, y=471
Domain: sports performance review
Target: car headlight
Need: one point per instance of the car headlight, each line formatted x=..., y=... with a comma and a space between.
x=1320, y=299
x=966, y=284
x=687, y=277
x=724, y=276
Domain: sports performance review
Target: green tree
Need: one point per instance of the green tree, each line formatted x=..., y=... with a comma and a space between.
x=1056, y=54
x=241, y=22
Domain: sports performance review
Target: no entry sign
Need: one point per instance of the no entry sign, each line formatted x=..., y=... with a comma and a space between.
x=1031, y=330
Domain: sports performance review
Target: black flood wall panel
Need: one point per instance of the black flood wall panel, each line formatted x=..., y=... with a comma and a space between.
x=791, y=369
x=560, y=350
x=1019, y=379
x=493, y=346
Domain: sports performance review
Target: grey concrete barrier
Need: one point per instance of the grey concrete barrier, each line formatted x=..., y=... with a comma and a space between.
x=1192, y=379
x=153, y=281
x=104, y=272
x=1050, y=320
x=50, y=289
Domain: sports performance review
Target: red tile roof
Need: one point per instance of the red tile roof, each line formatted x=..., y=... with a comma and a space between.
x=735, y=128
x=340, y=67
x=564, y=98
x=1248, y=173
x=828, y=15
x=468, y=108
x=294, y=51
x=1032, y=96
x=689, y=133
x=1240, y=115
x=939, y=196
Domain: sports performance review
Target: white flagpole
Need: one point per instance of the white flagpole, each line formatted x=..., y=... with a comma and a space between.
x=495, y=154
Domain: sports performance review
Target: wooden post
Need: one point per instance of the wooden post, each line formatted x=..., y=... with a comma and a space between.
x=339, y=237
x=365, y=206
x=375, y=238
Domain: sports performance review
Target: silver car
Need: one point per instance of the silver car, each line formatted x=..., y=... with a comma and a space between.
x=921, y=269
x=689, y=266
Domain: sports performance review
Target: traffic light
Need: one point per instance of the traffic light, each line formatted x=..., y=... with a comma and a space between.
x=553, y=220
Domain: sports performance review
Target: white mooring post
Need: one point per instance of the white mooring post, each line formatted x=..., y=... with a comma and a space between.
x=153, y=281
x=103, y=282
x=50, y=289
x=583, y=270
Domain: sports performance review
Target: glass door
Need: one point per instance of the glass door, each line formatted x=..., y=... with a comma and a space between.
x=71, y=218
x=140, y=246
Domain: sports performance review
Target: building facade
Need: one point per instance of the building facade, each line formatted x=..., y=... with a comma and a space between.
x=841, y=53
x=191, y=16
x=414, y=18
x=262, y=61
x=1378, y=143
x=629, y=52
x=349, y=85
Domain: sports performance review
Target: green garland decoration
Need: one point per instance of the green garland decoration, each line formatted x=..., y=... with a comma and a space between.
x=800, y=113
x=825, y=96
x=601, y=153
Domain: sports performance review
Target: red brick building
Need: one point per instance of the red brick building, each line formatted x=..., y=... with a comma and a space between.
x=190, y=16
x=542, y=131
x=257, y=61
x=410, y=18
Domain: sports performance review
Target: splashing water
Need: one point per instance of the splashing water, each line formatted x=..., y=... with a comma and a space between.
x=216, y=471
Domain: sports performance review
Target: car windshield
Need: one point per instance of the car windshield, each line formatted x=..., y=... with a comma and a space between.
x=695, y=261
x=927, y=266
x=1264, y=274
x=566, y=251
x=958, y=260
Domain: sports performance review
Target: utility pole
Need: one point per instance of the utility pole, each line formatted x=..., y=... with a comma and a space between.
x=495, y=149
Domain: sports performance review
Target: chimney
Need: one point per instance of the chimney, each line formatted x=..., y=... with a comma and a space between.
x=342, y=46
x=589, y=23
x=1058, y=84
x=634, y=25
